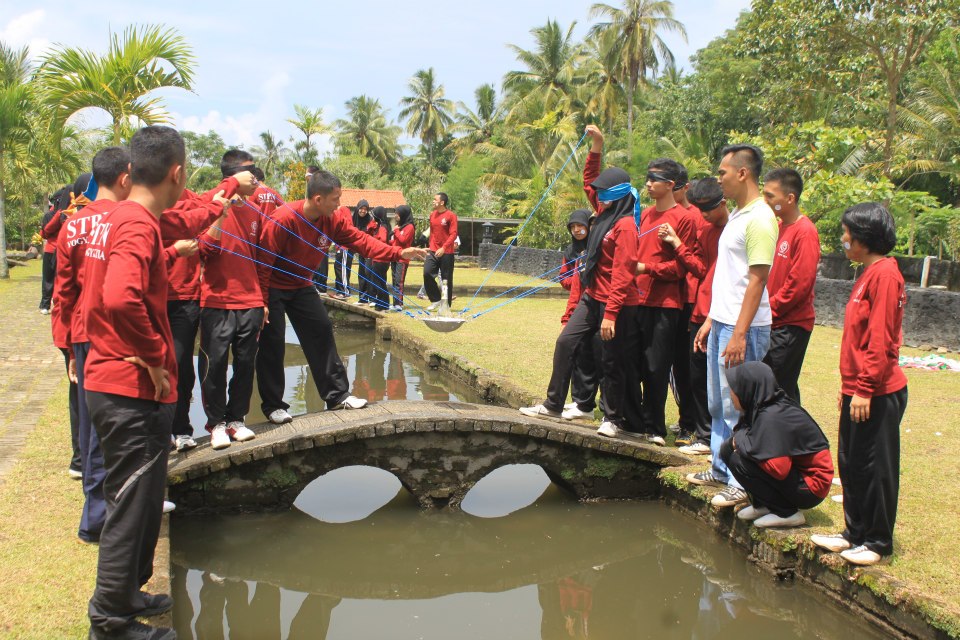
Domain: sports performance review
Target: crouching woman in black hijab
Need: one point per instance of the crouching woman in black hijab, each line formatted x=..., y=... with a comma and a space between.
x=777, y=451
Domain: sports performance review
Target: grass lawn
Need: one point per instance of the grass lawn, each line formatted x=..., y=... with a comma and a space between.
x=517, y=341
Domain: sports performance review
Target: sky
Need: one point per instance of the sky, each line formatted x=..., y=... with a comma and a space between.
x=254, y=61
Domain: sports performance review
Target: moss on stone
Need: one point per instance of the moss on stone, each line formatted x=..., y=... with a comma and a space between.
x=278, y=478
x=603, y=468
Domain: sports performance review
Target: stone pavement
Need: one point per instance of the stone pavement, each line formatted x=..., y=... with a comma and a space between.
x=31, y=368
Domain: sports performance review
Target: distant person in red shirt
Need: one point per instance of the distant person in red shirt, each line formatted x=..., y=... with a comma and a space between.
x=777, y=451
x=231, y=309
x=440, y=259
x=130, y=380
x=661, y=282
x=304, y=231
x=49, y=229
x=793, y=276
x=402, y=236
x=265, y=198
x=699, y=260
x=379, y=295
x=873, y=389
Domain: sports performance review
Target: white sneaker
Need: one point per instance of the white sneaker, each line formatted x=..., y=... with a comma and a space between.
x=219, y=439
x=574, y=413
x=657, y=440
x=168, y=506
x=434, y=306
x=539, y=410
x=695, y=449
x=74, y=474
x=608, y=429
x=729, y=497
x=239, y=431
x=351, y=402
x=835, y=542
x=184, y=443
x=861, y=556
x=751, y=512
x=773, y=520
x=280, y=416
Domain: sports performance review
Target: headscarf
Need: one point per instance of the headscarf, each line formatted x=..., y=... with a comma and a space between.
x=576, y=247
x=404, y=217
x=772, y=425
x=83, y=192
x=360, y=222
x=625, y=206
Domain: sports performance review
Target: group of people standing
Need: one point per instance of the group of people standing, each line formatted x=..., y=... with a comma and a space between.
x=718, y=304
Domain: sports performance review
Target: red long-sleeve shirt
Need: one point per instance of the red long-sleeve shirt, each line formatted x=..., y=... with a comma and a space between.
x=377, y=231
x=816, y=469
x=443, y=230
x=613, y=277
x=661, y=285
x=403, y=238
x=266, y=199
x=125, y=304
x=51, y=231
x=185, y=220
x=692, y=281
x=301, y=242
x=872, y=332
x=576, y=292
x=68, y=325
x=230, y=279
x=793, y=274
x=699, y=261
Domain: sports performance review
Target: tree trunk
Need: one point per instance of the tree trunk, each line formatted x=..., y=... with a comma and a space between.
x=893, y=87
x=630, y=125
x=4, y=267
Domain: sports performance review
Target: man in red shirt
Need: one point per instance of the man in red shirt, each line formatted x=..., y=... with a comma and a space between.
x=231, y=310
x=130, y=381
x=793, y=276
x=295, y=238
x=659, y=280
x=439, y=260
x=265, y=198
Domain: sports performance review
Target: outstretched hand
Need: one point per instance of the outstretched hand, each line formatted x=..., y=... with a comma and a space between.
x=413, y=253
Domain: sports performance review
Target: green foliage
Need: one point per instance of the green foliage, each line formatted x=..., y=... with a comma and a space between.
x=356, y=172
x=463, y=181
x=204, y=151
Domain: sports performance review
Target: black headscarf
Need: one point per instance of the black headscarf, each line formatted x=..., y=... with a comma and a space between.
x=610, y=177
x=404, y=217
x=361, y=222
x=772, y=425
x=379, y=215
x=576, y=247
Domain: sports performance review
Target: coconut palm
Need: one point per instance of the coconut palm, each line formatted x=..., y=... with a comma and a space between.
x=427, y=112
x=16, y=101
x=637, y=28
x=120, y=82
x=366, y=131
x=310, y=123
x=270, y=153
x=602, y=94
x=477, y=126
x=549, y=77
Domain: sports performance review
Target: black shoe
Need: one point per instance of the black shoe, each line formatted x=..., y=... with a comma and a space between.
x=155, y=604
x=133, y=631
x=684, y=438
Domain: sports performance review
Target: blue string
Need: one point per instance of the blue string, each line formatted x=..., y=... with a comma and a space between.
x=527, y=221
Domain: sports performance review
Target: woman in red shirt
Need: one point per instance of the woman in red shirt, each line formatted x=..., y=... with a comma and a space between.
x=379, y=228
x=873, y=394
x=402, y=236
x=777, y=452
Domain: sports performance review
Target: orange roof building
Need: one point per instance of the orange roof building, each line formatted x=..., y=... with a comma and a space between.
x=389, y=200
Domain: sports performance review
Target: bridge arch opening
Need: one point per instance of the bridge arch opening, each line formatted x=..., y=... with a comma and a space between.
x=510, y=488
x=351, y=494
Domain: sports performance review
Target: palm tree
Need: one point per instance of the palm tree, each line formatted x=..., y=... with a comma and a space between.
x=637, y=28
x=427, y=112
x=602, y=92
x=310, y=123
x=15, y=105
x=270, y=153
x=477, y=126
x=367, y=132
x=140, y=61
x=550, y=70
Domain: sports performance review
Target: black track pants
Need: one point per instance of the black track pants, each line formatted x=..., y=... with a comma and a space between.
x=223, y=331
x=788, y=346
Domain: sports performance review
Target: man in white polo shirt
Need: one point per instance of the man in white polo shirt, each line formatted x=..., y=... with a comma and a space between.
x=738, y=328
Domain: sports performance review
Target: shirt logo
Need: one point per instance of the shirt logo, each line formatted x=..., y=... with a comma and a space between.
x=253, y=227
x=784, y=247
x=444, y=222
x=856, y=296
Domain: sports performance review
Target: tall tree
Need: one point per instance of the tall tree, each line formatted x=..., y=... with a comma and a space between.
x=602, y=89
x=310, y=123
x=477, y=126
x=365, y=131
x=638, y=27
x=549, y=78
x=427, y=112
x=15, y=105
x=270, y=153
x=138, y=62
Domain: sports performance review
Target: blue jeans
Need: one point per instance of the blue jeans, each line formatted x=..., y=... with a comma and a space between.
x=723, y=417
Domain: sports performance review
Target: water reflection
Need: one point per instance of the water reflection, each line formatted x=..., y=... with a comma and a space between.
x=377, y=371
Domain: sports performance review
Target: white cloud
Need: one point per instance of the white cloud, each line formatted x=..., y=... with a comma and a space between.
x=25, y=29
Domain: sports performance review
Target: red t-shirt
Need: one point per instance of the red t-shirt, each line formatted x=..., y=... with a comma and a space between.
x=700, y=262
x=872, y=333
x=443, y=230
x=68, y=326
x=692, y=281
x=230, y=279
x=125, y=304
x=793, y=274
x=662, y=283
x=266, y=199
x=302, y=244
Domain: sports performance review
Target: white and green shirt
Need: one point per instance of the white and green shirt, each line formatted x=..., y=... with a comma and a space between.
x=748, y=239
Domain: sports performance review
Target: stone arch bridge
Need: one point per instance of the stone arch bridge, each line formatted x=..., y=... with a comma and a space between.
x=438, y=451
